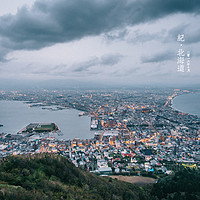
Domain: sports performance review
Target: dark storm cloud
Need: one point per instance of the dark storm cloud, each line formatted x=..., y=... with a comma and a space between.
x=160, y=57
x=49, y=22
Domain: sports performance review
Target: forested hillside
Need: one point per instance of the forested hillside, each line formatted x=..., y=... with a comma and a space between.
x=49, y=176
x=54, y=177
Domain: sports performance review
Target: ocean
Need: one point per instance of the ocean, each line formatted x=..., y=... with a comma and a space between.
x=188, y=103
x=15, y=115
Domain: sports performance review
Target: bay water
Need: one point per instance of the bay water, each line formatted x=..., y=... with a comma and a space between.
x=15, y=115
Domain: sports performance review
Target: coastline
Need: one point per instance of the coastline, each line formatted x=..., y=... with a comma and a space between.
x=180, y=110
x=47, y=107
x=66, y=119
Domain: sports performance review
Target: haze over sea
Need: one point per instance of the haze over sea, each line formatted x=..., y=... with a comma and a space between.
x=188, y=103
x=15, y=115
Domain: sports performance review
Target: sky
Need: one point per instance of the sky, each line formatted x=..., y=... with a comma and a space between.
x=99, y=42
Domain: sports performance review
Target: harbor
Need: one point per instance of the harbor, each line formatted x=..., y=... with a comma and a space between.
x=18, y=115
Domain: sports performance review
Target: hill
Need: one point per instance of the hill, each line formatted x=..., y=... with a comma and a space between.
x=183, y=185
x=53, y=177
x=49, y=176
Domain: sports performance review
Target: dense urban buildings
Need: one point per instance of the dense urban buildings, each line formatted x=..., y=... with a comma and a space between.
x=136, y=131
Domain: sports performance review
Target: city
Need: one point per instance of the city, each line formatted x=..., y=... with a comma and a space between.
x=136, y=132
x=99, y=100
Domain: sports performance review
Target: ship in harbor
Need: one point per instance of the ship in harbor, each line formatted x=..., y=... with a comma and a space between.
x=94, y=124
x=81, y=114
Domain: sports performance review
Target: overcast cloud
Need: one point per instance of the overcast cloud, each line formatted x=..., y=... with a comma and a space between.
x=98, y=36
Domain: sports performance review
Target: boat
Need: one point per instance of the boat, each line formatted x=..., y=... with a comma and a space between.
x=81, y=114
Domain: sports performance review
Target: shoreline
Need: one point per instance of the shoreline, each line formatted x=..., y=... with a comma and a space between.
x=176, y=109
x=69, y=132
x=47, y=107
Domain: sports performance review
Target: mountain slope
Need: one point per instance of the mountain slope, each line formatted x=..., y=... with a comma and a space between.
x=49, y=176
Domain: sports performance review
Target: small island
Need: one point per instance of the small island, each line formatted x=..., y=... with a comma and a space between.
x=39, y=128
x=1, y=125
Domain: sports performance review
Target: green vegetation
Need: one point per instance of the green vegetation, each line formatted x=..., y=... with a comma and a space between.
x=183, y=185
x=53, y=177
x=46, y=127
